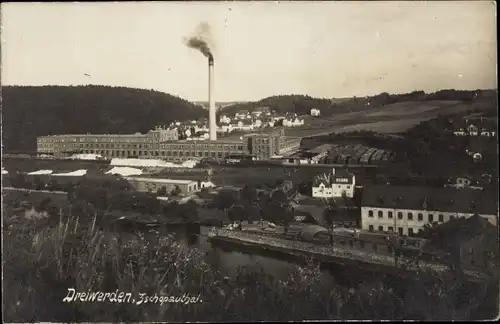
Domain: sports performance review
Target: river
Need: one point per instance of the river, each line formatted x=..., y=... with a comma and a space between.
x=230, y=260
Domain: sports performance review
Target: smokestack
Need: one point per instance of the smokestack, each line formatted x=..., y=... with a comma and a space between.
x=211, y=100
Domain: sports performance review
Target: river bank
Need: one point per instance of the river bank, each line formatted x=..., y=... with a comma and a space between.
x=339, y=255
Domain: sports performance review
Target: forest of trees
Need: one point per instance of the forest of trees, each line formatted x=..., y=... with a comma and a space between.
x=30, y=111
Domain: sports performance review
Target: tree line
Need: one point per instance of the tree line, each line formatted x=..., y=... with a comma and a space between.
x=302, y=104
x=30, y=111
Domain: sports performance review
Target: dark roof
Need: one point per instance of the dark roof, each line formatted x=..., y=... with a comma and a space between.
x=453, y=200
x=467, y=228
x=308, y=232
x=308, y=218
x=320, y=149
x=315, y=211
x=345, y=215
x=309, y=201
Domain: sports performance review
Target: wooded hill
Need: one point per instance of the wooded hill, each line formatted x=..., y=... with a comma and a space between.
x=302, y=104
x=30, y=111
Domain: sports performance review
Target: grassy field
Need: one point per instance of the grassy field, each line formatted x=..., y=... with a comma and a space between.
x=393, y=118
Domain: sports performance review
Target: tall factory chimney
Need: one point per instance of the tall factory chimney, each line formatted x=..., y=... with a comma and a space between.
x=211, y=100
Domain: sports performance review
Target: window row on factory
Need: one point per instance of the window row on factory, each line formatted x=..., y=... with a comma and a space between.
x=141, y=146
x=94, y=140
x=410, y=216
x=134, y=153
x=390, y=229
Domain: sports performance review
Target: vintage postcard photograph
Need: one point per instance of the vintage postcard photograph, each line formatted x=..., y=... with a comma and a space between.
x=249, y=161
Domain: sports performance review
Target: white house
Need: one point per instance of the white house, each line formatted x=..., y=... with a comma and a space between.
x=335, y=184
x=293, y=122
x=202, y=128
x=240, y=114
x=243, y=125
x=315, y=112
x=478, y=128
x=472, y=130
x=257, y=123
x=460, y=132
x=225, y=128
x=406, y=210
x=224, y=119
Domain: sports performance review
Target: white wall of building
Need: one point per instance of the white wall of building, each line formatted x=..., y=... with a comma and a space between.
x=405, y=223
x=322, y=191
x=336, y=190
x=293, y=122
x=340, y=189
x=315, y=112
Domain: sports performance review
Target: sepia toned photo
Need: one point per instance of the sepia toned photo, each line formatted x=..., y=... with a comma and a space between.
x=249, y=161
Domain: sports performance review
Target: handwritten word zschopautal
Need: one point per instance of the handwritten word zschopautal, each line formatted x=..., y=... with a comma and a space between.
x=129, y=298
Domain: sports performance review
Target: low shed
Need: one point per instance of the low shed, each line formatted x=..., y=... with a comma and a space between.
x=153, y=184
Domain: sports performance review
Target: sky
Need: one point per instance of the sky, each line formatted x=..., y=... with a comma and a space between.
x=321, y=49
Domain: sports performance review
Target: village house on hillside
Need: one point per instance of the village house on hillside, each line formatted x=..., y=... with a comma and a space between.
x=315, y=112
x=407, y=210
x=224, y=119
x=476, y=127
x=261, y=111
x=335, y=184
x=469, y=181
x=293, y=122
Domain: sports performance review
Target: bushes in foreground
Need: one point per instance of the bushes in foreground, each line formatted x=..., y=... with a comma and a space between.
x=71, y=256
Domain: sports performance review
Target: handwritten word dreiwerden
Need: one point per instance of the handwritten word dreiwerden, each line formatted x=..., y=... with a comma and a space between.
x=122, y=297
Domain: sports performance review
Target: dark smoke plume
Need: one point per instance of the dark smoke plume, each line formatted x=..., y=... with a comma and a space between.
x=200, y=40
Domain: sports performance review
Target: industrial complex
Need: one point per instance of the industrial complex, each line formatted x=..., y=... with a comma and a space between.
x=162, y=143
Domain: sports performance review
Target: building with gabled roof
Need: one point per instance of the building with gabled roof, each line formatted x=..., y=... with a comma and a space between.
x=476, y=127
x=338, y=183
x=407, y=209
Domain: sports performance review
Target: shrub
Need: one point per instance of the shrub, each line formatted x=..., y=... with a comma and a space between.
x=71, y=255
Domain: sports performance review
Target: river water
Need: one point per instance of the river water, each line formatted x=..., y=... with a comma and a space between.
x=230, y=260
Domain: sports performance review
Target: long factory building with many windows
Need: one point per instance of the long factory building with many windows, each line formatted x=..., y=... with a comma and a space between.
x=164, y=144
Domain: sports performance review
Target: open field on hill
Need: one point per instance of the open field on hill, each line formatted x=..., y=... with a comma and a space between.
x=394, y=118
x=389, y=126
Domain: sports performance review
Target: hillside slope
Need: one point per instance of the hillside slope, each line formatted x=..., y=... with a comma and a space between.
x=29, y=112
x=302, y=104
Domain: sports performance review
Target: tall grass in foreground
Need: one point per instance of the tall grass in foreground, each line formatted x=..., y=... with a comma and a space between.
x=76, y=254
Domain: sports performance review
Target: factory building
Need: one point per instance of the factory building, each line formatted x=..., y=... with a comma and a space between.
x=163, y=144
x=107, y=145
x=406, y=210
